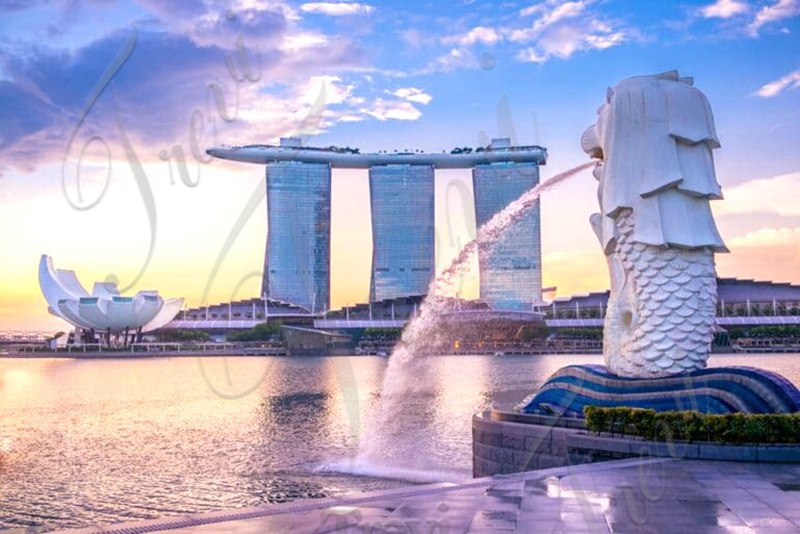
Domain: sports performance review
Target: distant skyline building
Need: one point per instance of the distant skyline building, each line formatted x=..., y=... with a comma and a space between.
x=510, y=269
x=402, y=208
x=297, y=259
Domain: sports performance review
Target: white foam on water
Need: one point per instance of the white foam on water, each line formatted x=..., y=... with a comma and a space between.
x=365, y=468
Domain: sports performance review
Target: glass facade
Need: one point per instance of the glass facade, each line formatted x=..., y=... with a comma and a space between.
x=401, y=198
x=510, y=269
x=297, y=264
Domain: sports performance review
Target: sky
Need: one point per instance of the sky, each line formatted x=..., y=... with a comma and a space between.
x=107, y=107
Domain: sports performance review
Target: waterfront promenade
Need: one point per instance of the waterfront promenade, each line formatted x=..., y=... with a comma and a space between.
x=638, y=495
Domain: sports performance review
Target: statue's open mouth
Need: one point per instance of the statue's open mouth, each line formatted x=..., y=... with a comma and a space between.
x=590, y=142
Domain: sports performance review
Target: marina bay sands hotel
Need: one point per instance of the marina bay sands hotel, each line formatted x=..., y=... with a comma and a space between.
x=297, y=262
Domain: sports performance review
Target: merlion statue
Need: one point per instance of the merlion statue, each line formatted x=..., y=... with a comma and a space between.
x=654, y=138
x=653, y=141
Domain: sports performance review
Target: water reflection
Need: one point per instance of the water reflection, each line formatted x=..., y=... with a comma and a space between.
x=223, y=379
x=298, y=408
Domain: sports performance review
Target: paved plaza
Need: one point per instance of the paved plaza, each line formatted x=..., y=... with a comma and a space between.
x=621, y=496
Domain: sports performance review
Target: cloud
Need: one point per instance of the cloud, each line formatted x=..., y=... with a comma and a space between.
x=562, y=29
x=779, y=10
x=412, y=94
x=558, y=29
x=414, y=38
x=766, y=195
x=456, y=58
x=724, y=9
x=530, y=55
x=765, y=253
x=564, y=11
x=605, y=40
x=300, y=81
x=317, y=104
x=27, y=115
x=17, y=5
x=161, y=86
x=382, y=110
x=771, y=250
x=767, y=237
x=154, y=92
x=478, y=34
x=533, y=10
x=221, y=24
x=332, y=87
x=785, y=83
x=337, y=9
x=302, y=41
x=306, y=109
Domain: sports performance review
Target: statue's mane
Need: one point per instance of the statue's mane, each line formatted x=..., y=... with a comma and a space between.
x=656, y=134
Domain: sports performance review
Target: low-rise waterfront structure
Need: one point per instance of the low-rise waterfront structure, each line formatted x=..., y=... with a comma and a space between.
x=104, y=309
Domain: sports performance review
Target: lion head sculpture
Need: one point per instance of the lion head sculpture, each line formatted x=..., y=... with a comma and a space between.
x=654, y=137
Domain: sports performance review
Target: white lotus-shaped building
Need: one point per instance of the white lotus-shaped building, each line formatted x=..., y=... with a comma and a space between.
x=104, y=309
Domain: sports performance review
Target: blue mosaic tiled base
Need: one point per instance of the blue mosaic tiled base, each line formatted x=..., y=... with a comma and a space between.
x=718, y=390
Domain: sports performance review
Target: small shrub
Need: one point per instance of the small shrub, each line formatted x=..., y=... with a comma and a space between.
x=643, y=422
x=735, y=428
x=597, y=418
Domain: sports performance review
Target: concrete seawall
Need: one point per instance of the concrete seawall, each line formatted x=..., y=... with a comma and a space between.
x=506, y=442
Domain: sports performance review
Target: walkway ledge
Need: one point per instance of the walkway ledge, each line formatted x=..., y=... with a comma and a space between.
x=634, y=495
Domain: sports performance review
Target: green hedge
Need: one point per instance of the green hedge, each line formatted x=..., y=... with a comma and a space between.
x=761, y=331
x=695, y=426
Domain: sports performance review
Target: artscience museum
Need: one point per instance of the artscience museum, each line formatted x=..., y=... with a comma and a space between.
x=104, y=310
